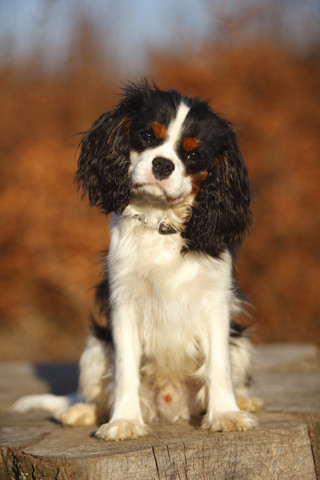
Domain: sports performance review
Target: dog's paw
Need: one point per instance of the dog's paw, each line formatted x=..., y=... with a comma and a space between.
x=122, y=430
x=239, y=421
x=250, y=404
x=80, y=414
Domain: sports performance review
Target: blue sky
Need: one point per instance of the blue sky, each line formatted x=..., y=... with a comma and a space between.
x=129, y=27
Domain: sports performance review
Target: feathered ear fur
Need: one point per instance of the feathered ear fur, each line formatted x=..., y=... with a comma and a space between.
x=104, y=156
x=221, y=214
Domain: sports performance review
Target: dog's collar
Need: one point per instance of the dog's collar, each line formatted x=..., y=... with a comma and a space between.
x=162, y=227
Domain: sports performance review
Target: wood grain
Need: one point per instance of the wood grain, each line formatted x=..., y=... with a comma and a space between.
x=283, y=447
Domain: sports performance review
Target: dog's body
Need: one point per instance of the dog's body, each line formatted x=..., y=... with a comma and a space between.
x=172, y=172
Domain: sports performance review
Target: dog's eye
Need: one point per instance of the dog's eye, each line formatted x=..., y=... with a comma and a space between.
x=147, y=136
x=194, y=161
x=194, y=156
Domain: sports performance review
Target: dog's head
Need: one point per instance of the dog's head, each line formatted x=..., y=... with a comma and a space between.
x=169, y=148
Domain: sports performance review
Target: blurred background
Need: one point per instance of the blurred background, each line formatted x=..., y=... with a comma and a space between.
x=62, y=64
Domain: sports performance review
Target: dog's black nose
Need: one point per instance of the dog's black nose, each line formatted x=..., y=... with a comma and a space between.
x=162, y=168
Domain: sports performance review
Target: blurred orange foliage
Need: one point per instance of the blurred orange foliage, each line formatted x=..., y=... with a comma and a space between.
x=51, y=241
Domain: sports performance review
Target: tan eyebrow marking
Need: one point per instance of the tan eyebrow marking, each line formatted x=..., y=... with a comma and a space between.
x=190, y=143
x=159, y=130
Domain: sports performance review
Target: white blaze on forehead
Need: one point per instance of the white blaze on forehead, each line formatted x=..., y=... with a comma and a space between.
x=174, y=129
x=175, y=186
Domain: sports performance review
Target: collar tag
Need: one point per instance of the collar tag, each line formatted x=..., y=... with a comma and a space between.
x=163, y=229
x=166, y=229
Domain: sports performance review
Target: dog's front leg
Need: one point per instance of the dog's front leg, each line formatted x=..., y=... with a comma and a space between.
x=126, y=419
x=223, y=413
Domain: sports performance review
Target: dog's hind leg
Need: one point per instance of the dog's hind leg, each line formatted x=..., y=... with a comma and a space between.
x=240, y=355
x=95, y=385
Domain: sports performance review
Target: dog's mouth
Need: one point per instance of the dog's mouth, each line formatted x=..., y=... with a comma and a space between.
x=154, y=190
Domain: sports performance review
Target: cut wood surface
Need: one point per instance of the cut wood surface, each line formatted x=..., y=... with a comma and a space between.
x=284, y=446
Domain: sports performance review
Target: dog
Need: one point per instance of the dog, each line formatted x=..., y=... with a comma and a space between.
x=171, y=172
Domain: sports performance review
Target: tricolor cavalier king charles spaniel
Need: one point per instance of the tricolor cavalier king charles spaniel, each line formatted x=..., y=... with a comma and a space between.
x=171, y=171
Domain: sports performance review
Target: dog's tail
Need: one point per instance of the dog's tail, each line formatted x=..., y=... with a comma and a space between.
x=48, y=402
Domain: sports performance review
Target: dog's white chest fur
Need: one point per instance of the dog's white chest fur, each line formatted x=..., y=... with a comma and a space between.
x=171, y=294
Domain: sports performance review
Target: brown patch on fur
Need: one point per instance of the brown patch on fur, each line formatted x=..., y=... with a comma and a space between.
x=159, y=130
x=179, y=216
x=217, y=162
x=183, y=212
x=227, y=170
x=197, y=179
x=250, y=404
x=124, y=124
x=190, y=143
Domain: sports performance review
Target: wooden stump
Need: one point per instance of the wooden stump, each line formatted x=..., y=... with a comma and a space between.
x=284, y=446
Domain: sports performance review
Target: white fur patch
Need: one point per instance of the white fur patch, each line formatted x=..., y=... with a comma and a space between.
x=48, y=402
x=177, y=185
x=175, y=127
x=173, y=312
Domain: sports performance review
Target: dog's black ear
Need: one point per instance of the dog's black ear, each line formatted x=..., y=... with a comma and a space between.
x=103, y=162
x=221, y=214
